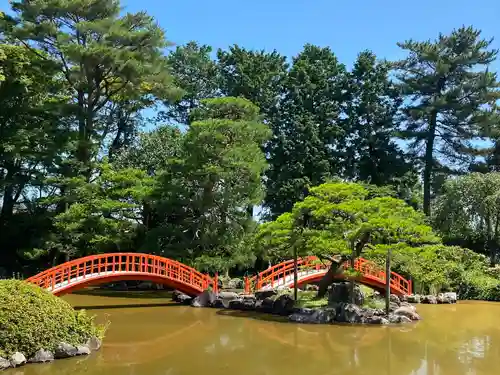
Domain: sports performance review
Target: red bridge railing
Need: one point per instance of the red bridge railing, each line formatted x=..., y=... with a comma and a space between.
x=370, y=274
x=103, y=268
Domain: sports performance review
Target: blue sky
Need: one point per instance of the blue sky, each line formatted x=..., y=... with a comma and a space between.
x=346, y=26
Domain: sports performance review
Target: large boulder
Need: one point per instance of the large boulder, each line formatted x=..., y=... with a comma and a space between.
x=432, y=300
x=397, y=319
x=265, y=305
x=413, y=298
x=224, y=298
x=243, y=304
x=349, y=313
x=394, y=299
x=4, y=363
x=42, y=356
x=178, y=296
x=205, y=299
x=283, y=305
x=407, y=310
x=446, y=298
x=341, y=292
x=65, y=350
x=452, y=296
x=17, y=359
x=260, y=295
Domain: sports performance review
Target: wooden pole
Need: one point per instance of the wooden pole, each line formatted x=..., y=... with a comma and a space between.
x=351, y=283
x=388, y=281
x=295, y=272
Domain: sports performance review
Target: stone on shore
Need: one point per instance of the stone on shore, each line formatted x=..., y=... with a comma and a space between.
x=42, y=356
x=94, y=343
x=4, y=363
x=205, y=299
x=341, y=292
x=178, y=296
x=17, y=359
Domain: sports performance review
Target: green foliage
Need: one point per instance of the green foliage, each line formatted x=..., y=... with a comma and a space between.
x=202, y=196
x=451, y=93
x=309, y=135
x=33, y=319
x=340, y=214
x=469, y=210
x=102, y=214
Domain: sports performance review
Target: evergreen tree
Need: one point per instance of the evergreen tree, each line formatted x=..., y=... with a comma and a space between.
x=105, y=58
x=308, y=144
x=372, y=154
x=450, y=93
x=196, y=74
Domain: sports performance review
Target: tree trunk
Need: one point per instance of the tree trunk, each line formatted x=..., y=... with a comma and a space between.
x=330, y=276
x=336, y=266
x=429, y=161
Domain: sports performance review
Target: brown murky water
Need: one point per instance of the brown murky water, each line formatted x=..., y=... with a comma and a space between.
x=150, y=336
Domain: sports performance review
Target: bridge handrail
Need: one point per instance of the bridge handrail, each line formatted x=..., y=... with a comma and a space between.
x=367, y=268
x=114, y=263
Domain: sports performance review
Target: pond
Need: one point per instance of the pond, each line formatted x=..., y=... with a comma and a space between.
x=148, y=335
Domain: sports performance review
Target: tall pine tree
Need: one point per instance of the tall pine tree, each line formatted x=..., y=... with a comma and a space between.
x=449, y=91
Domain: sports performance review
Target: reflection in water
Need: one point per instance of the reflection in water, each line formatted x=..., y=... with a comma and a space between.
x=175, y=340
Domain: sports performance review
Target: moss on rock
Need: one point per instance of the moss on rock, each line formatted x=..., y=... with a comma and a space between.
x=32, y=319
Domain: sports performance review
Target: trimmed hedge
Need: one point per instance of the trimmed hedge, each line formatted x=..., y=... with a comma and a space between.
x=33, y=319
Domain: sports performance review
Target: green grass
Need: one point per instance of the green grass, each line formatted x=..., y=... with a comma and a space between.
x=33, y=319
x=308, y=300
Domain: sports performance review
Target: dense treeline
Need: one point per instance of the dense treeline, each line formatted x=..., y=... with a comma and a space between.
x=83, y=169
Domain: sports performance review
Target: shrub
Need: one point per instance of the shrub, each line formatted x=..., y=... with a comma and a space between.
x=439, y=268
x=33, y=319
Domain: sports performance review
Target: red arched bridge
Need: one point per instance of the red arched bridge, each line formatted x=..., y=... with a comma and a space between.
x=106, y=268
x=311, y=269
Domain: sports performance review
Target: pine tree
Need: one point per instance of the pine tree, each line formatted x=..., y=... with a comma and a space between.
x=308, y=144
x=372, y=154
x=450, y=93
x=106, y=59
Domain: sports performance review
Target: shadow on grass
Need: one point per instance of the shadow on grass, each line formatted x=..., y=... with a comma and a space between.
x=145, y=294
x=126, y=306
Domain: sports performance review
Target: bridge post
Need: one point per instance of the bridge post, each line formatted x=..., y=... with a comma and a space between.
x=216, y=283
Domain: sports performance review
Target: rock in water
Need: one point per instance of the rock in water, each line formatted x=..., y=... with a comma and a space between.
x=243, y=304
x=452, y=296
x=17, y=359
x=340, y=292
x=41, y=356
x=205, y=299
x=94, y=343
x=398, y=319
x=349, y=313
x=65, y=350
x=429, y=300
x=82, y=350
x=180, y=297
x=414, y=298
x=407, y=311
x=4, y=363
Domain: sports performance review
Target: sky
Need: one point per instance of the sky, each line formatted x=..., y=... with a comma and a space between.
x=348, y=27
